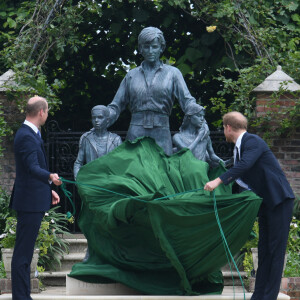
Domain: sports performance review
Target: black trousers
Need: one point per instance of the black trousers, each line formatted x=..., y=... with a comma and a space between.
x=273, y=235
x=28, y=226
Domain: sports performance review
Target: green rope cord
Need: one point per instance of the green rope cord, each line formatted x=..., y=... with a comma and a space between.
x=68, y=194
x=227, y=249
x=229, y=256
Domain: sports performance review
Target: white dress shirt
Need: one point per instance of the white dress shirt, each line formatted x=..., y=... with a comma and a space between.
x=32, y=126
x=237, y=148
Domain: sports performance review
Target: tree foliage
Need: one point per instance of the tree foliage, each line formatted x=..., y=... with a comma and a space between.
x=77, y=52
x=259, y=35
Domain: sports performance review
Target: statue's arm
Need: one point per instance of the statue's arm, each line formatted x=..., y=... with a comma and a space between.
x=80, y=160
x=211, y=152
x=202, y=134
x=177, y=141
x=119, y=102
x=181, y=91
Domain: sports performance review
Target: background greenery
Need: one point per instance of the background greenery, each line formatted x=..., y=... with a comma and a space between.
x=77, y=52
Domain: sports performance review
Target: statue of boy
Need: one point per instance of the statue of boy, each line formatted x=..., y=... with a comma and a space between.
x=194, y=134
x=150, y=91
x=98, y=141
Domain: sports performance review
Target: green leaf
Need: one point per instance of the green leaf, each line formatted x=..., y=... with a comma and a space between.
x=292, y=6
x=184, y=68
x=296, y=17
x=11, y=23
x=252, y=20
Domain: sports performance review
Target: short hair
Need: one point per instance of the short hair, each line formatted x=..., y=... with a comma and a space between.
x=148, y=34
x=236, y=120
x=34, y=105
x=191, y=110
x=103, y=108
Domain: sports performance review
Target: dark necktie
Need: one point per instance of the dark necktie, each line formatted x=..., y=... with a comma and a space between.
x=237, y=157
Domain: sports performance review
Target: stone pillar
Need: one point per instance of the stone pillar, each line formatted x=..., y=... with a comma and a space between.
x=12, y=117
x=285, y=148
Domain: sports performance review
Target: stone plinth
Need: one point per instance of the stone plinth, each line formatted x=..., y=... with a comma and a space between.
x=5, y=285
x=78, y=287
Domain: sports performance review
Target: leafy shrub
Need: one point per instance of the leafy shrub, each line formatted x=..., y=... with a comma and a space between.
x=50, y=239
x=5, y=211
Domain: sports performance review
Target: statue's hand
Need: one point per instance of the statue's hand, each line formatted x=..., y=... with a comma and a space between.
x=229, y=162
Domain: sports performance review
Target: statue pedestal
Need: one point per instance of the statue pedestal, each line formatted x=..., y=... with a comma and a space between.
x=118, y=291
x=78, y=287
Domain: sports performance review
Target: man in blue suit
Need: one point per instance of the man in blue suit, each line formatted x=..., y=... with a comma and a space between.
x=32, y=195
x=256, y=168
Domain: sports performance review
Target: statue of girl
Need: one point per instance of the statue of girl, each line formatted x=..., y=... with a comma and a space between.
x=194, y=134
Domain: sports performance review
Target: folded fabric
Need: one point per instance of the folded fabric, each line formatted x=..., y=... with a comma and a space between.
x=169, y=246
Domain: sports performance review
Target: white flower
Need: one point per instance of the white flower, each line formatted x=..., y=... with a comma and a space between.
x=3, y=235
x=11, y=231
x=46, y=214
x=52, y=221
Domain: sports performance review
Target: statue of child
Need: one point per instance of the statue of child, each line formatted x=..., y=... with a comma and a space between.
x=194, y=134
x=98, y=141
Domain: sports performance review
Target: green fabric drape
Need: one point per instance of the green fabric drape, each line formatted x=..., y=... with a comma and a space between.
x=170, y=246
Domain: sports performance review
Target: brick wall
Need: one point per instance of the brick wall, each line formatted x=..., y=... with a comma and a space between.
x=291, y=287
x=7, y=162
x=7, y=166
x=286, y=149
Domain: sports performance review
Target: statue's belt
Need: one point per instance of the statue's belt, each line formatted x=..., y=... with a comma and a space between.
x=150, y=119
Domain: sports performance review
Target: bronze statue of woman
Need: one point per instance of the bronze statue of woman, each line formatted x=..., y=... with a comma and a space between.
x=150, y=91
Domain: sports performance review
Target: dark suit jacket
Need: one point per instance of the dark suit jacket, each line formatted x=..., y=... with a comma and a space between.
x=32, y=191
x=259, y=168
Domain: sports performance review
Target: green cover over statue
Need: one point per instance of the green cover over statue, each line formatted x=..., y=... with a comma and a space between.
x=149, y=241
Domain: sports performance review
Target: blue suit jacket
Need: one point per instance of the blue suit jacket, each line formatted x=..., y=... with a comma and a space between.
x=32, y=191
x=259, y=168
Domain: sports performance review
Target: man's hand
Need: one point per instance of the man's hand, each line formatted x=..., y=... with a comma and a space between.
x=55, y=179
x=55, y=198
x=211, y=185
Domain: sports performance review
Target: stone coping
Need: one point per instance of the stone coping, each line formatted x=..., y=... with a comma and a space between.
x=237, y=296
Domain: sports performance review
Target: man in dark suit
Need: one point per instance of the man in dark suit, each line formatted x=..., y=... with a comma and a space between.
x=32, y=195
x=257, y=169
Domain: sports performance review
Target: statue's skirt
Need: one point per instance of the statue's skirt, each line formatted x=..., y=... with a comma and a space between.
x=170, y=246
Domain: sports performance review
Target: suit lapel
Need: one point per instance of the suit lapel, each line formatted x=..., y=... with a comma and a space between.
x=39, y=141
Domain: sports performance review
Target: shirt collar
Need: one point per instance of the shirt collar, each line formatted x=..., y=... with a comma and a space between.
x=239, y=140
x=32, y=126
x=159, y=67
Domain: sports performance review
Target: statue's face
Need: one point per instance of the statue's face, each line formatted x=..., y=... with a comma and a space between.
x=99, y=119
x=198, y=119
x=151, y=51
